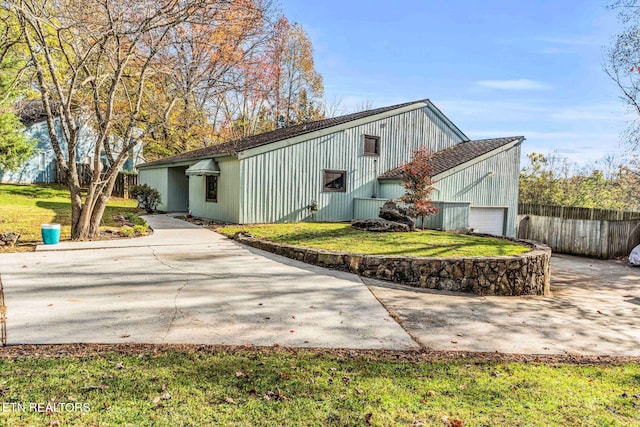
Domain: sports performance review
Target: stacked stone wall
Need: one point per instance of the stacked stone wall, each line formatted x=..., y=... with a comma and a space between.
x=525, y=274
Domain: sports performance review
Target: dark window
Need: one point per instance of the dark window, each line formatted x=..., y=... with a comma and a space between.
x=212, y=188
x=371, y=145
x=334, y=181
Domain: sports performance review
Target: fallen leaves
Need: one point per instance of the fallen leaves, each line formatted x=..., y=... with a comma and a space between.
x=94, y=387
x=164, y=396
x=367, y=418
x=451, y=422
x=276, y=396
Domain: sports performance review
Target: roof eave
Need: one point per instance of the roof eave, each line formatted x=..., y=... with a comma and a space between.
x=181, y=162
x=446, y=120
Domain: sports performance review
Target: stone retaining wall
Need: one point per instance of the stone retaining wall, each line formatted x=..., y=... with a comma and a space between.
x=525, y=274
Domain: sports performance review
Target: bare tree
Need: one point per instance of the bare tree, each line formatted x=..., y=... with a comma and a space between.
x=622, y=64
x=122, y=67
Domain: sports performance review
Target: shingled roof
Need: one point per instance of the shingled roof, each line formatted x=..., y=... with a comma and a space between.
x=275, y=135
x=458, y=154
x=31, y=111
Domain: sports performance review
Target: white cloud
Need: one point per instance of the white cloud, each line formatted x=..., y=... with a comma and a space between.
x=578, y=147
x=591, y=40
x=600, y=112
x=558, y=137
x=519, y=84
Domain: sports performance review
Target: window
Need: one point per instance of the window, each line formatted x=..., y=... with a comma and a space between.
x=211, y=188
x=334, y=181
x=42, y=161
x=371, y=145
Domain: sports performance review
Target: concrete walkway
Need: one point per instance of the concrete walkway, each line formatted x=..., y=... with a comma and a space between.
x=185, y=284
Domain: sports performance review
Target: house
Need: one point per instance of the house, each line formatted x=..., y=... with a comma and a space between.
x=343, y=168
x=41, y=167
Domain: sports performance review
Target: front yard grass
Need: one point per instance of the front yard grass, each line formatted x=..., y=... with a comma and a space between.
x=341, y=237
x=23, y=208
x=271, y=387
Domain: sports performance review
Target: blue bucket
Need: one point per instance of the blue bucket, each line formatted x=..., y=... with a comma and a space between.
x=51, y=234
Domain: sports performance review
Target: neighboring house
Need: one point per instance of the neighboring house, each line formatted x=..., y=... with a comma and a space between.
x=343, y=168
x=40, y=168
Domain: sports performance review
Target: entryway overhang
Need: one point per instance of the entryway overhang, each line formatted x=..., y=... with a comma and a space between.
x=204, y=167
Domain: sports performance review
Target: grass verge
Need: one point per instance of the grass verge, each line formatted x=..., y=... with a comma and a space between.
x=278, y=387
x=23, y=208
x=341, y=237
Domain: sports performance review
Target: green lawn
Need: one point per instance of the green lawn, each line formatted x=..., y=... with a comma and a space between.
x=341, y=237
x=23, y=208
x=248, y=387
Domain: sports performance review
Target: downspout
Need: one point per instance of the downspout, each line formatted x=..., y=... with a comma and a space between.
x=375, y=179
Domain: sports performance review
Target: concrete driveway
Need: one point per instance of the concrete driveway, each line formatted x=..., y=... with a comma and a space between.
x=185, y=284
x=594, y=309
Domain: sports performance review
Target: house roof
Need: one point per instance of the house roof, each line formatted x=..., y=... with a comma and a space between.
x=457, y=155
x=30, y=111
x=266, y=138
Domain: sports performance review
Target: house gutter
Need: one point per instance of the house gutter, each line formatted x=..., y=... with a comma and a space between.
x=186, y=162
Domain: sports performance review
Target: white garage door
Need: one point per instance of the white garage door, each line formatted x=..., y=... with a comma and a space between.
x=487, y=220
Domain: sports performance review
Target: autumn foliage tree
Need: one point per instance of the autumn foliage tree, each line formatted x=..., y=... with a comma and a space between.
x=15, y=146
x=418, y=183
x=124, y=68
x=553, y=180
x=278, y=86
x=205, y=66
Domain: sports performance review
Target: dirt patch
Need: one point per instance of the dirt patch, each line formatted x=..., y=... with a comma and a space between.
x=202, y=222
x=414, y=356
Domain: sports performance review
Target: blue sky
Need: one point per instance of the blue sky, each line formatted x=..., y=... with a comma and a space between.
x=494, y=67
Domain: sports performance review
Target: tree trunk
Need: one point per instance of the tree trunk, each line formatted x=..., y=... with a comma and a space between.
x=86, y=220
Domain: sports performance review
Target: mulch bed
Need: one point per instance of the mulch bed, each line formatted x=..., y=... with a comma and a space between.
x=202, y=222
x=414, y=356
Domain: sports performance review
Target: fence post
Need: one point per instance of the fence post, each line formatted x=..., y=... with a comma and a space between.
x=125, y=187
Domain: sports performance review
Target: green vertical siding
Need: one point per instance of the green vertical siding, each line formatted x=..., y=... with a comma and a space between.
x=492, y=182
x=367, y=208
x=279, y=185
x=228, y=205
x=450, y=216
x=177, y=189
x=158, y=179
x=455, y=215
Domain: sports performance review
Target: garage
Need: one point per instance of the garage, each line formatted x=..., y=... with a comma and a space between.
x=490, y=220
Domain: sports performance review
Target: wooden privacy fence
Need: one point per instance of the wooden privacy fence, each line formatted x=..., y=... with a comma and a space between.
x=597, y=233
x=570, y=212
x=124, y=181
